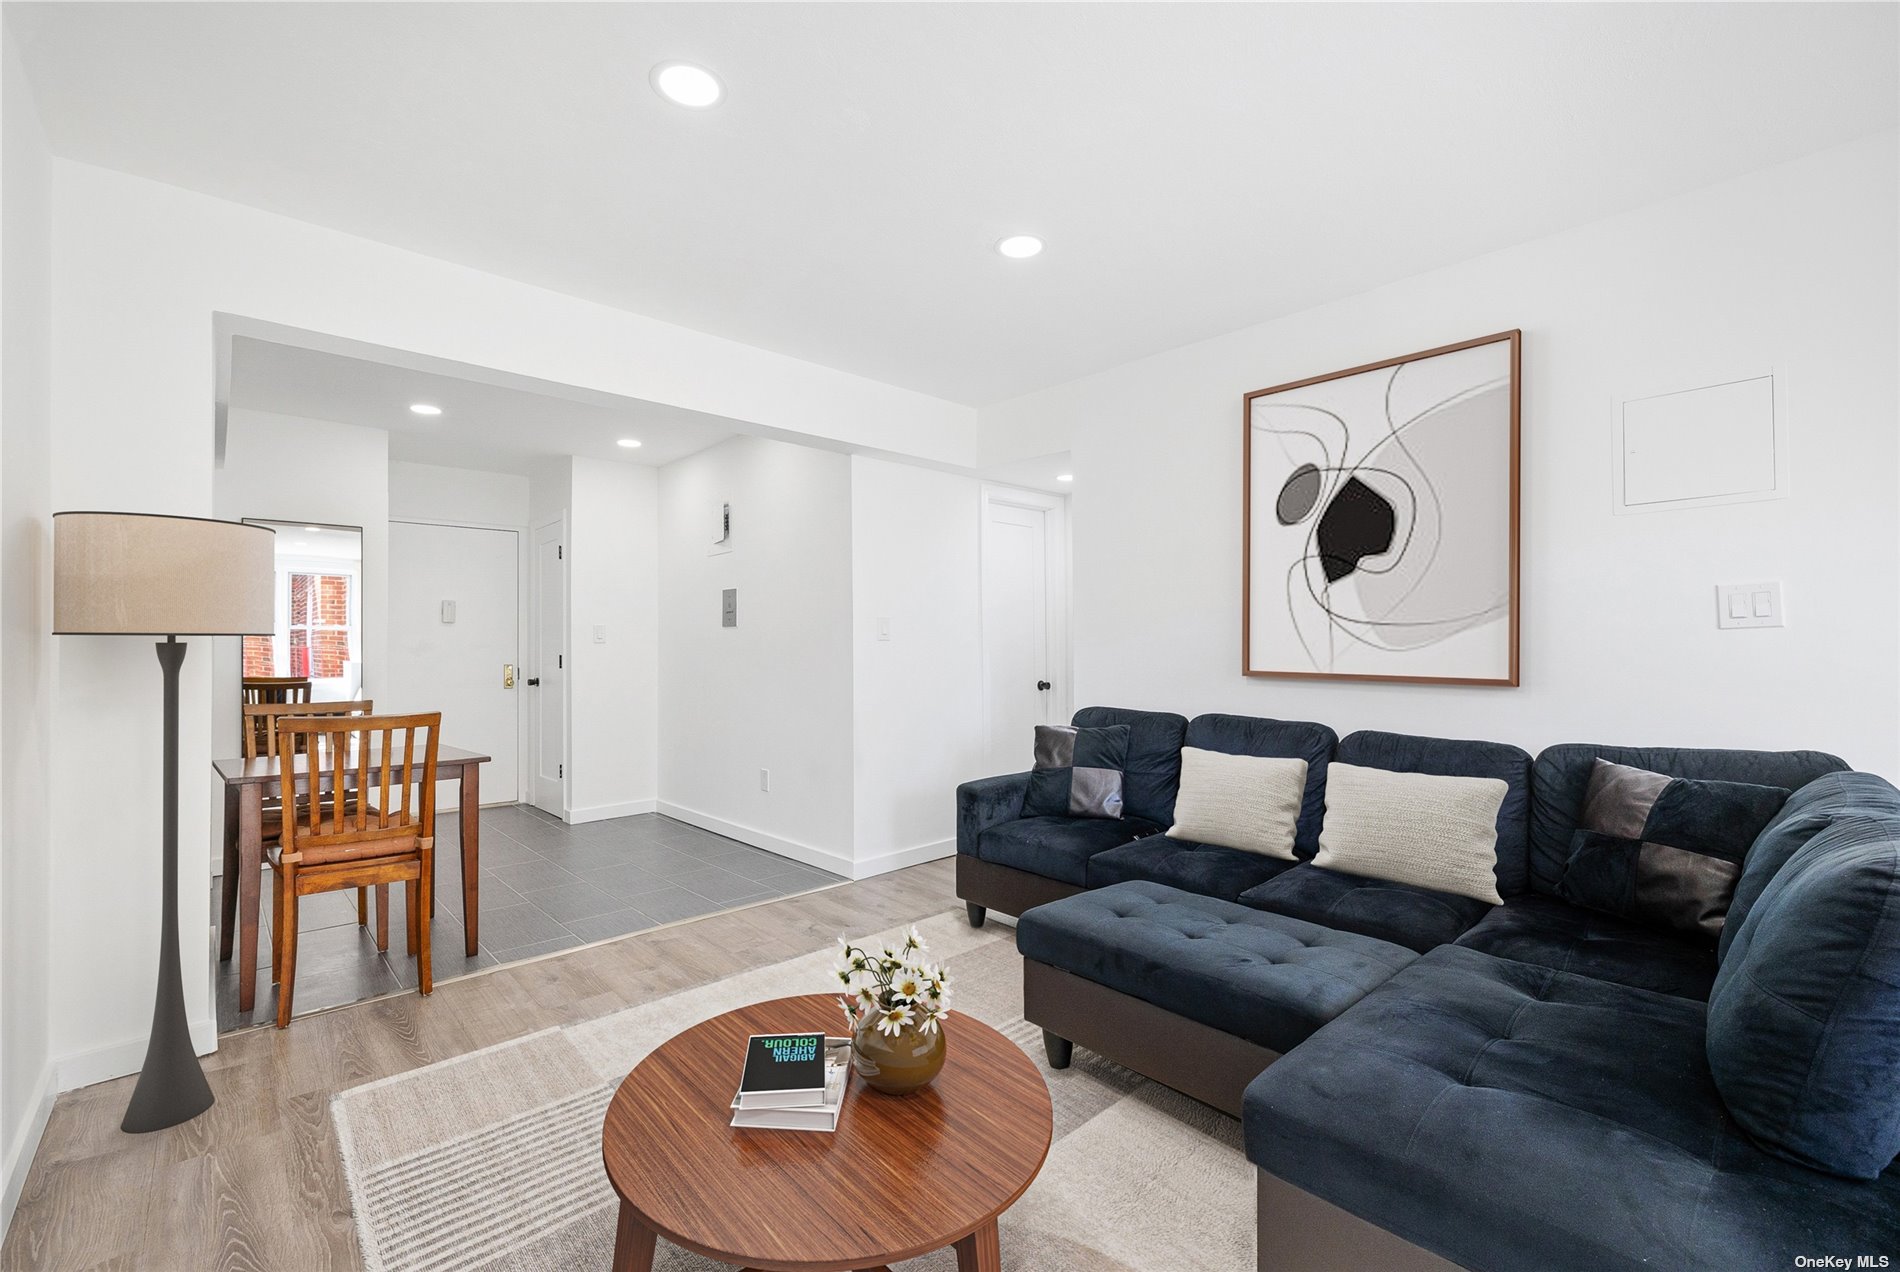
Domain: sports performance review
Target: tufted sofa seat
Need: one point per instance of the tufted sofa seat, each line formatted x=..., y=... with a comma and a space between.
x=1575, y=1100
x=1263, y=977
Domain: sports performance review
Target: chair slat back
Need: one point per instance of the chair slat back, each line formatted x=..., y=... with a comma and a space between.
x=276, y=689
x=260, y=721
x=380, y=775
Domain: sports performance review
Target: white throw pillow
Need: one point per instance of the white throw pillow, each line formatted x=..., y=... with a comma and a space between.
x=1418, y=828
x=1249, y=802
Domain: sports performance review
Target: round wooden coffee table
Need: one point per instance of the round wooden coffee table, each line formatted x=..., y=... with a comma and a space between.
x=901, y=1176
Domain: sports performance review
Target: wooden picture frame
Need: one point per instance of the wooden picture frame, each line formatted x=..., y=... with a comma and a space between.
x=1389, y=520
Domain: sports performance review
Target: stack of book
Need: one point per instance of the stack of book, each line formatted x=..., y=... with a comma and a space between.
x=793, y=1082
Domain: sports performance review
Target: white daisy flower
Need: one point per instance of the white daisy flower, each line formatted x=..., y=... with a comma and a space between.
x=908, y=983
x=894, y=1020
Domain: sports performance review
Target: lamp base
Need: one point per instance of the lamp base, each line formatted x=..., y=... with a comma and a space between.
x=172, y=1086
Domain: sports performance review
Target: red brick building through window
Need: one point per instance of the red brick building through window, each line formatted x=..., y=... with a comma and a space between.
x=317, y=635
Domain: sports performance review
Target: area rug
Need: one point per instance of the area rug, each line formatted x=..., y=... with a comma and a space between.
x=491, y=1160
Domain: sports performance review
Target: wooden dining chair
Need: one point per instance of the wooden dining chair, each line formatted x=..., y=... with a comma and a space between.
x=373, y=825
x=276, y=689
x=260, y=742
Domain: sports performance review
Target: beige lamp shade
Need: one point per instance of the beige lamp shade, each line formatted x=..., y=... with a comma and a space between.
x=127, y=573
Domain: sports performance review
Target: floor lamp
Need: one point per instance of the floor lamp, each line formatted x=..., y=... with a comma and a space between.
x=138, y=574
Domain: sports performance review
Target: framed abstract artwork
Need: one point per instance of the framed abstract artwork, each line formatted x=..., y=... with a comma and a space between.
x=1381, y=520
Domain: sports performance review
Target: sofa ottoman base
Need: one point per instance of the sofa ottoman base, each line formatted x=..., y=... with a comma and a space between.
x=1302, y=1233
x=984, y=885
x=1196, y=1060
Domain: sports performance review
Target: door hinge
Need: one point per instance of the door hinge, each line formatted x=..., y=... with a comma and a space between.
x=560, y=770
x=560, y=661
x=560, y=552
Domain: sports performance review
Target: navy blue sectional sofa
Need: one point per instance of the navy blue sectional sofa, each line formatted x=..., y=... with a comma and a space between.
x=1427, y=1081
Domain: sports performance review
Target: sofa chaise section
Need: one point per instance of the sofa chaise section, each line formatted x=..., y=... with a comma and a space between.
x=1197, y=993
x=1506, y=1116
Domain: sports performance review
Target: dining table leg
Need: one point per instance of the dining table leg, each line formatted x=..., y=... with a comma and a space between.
x=250, y=854
x=471, y=827
x=228, y=878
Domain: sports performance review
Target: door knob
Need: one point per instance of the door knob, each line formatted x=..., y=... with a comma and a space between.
x=533, y=681
x=507, y=675
x=1043, y=684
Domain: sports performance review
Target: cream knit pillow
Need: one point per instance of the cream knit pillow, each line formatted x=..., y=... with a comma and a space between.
x=1249, y=802
x=1418, y=828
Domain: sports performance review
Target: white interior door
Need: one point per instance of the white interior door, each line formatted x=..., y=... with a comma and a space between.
x=548, y=675
x=1018, y=641
x=455, y=660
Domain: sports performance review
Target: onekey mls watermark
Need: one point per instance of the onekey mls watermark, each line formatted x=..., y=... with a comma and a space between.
x=1844, y=1262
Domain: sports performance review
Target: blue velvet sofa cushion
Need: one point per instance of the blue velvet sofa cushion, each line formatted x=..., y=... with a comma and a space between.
x=1152, y=775
x=1507, y=1116
x=1283, y=739
x=1550, y=933
x=1561, y=776
x=1263, y=977
x=1414, y=917
x=1406, y=753
x=1058, y=847
x=1804, y=1021
x=1207, y=869
x=1808, y=812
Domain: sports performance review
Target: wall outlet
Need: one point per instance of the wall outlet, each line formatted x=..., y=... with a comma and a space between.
x=765, y=779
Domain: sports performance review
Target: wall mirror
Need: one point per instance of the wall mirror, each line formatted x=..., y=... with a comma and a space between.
x=319, y=610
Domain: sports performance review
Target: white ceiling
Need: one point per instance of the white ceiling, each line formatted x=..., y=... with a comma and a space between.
x=1194, y=168
x=482, y=425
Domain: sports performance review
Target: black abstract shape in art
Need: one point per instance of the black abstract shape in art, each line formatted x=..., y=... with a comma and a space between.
x=1358, y=523
x=1298, y=495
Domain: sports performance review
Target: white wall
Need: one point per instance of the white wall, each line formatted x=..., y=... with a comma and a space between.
x=775, y=692
x=282, y=468
x=1793, y=268
x=918, y=696
x=26, y=648
x=613, y=681
x=142, y=269
x=433, y=492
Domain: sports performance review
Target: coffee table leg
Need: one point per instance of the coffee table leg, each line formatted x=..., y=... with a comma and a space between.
x=981, y=1251
x=633, y=1243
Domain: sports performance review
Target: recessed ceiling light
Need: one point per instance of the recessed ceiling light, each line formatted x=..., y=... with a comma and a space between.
x=629, y=443
x=684, y=84
x=424, y=408
x=314, y=529
x=1019, y=247
x=1065, y=476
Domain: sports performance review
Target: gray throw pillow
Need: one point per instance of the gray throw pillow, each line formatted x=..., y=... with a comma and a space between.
x=1078, y=772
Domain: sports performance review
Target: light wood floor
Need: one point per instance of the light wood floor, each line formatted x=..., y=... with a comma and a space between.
x=255, y=1183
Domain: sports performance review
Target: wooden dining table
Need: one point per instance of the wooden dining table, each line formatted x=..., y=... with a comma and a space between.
x=247, y=782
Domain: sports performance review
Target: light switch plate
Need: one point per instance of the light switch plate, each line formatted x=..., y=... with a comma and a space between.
x=729, y=607
x=448, y=611
x=600, y=633
x=1749, y=605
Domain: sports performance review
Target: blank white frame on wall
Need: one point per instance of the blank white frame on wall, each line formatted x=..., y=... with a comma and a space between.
x=1723, y=441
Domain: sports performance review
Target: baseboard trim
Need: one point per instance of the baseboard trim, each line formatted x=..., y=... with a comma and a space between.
x=602, y=812
x=116, y=1059
x=26, y=1143
x=903, y=857
x=823, y=858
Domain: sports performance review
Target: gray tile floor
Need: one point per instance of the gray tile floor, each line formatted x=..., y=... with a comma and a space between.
x=546, y=886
